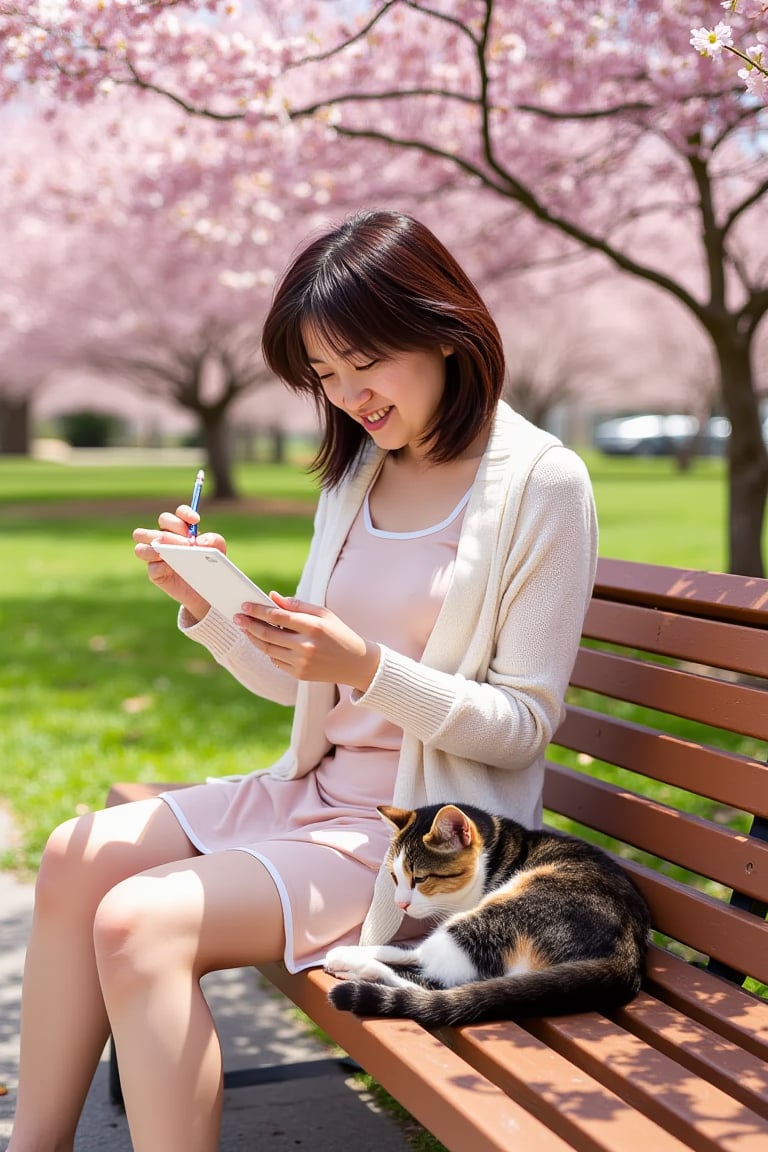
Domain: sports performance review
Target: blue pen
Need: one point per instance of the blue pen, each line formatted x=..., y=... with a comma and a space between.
x=195, y=502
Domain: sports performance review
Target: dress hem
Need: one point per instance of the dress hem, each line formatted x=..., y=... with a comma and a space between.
x=290, y=962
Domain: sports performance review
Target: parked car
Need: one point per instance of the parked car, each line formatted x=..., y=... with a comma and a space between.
x=659, y=435
x=645, y=435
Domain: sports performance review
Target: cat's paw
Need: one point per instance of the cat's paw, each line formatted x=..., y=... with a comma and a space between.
x=344, y=962
x=353, y=963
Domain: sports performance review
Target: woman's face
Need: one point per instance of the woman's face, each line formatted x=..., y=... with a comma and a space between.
x=395, y=398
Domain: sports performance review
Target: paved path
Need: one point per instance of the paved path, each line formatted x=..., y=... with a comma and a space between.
x=326, y=1111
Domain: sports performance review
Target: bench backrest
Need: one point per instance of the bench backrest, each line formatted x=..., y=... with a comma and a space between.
x=663, y=753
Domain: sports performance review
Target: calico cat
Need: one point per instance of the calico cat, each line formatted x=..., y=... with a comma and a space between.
x=529, y=924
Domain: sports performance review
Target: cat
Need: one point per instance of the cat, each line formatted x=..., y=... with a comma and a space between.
x=530, y=923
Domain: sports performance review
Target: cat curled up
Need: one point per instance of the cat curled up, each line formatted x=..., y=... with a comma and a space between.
x=529, y=923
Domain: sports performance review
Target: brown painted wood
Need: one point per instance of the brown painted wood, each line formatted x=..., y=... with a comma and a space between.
x=710, y=594
x=125, y=792
x=725, y=1009
x=443, y=1092
x=707, y=849
x=706, y=1053
x=710, y=642
x=732, y=779
x=732, y=706
x=704, y=923
x=576, y=1106
x=695, y=1111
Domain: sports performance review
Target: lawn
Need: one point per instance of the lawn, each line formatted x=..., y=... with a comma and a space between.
x=96, y=683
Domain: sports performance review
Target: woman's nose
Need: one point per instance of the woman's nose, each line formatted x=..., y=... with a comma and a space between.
x=356, y=398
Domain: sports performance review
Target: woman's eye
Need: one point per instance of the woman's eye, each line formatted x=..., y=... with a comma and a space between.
x=365, y=367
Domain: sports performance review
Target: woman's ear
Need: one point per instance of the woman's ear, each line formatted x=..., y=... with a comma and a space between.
x=447, y=349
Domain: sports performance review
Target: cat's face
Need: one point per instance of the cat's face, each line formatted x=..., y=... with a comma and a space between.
x=435, y=861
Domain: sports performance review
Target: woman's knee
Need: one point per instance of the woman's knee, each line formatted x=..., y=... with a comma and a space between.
x=133, y=937
x=62, y=878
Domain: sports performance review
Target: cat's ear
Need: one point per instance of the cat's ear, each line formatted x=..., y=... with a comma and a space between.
x=451, y=829
x=399, y=818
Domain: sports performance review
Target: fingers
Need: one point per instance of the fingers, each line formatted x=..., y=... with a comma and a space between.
x=167, y=534
x=179, y=521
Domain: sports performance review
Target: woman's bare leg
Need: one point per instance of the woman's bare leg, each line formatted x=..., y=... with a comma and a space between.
x=63, y=1022
x=156, y=935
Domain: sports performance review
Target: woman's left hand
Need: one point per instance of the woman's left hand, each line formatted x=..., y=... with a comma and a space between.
x=310, y=642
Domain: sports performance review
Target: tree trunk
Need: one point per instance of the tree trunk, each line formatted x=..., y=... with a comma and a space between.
x=15, y=426
x=747, y=457
x=219, y=457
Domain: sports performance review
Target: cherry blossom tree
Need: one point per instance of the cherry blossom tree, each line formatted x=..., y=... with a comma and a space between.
x=595, y=120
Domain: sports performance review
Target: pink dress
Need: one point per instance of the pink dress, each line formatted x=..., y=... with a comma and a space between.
x=320, y=836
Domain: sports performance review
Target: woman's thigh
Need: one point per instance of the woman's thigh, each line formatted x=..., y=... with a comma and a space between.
x=90, y=854
x=216, y=911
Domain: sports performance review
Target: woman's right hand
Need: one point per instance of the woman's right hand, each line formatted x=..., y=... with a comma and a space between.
x=173, y=529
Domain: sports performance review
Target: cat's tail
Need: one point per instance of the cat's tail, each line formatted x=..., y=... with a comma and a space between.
x=575, y=986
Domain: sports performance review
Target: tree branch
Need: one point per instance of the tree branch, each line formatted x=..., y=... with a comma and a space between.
x=756, y=194
x=331, y=52
x=509, y=186
x=206, y=113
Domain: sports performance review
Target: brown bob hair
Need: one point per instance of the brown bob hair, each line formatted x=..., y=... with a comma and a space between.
x=382, y=283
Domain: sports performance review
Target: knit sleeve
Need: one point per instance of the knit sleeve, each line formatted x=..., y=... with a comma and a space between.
x=504, y=713
x=233, y=651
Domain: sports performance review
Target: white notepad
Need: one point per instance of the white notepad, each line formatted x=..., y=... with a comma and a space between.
x=213, y=576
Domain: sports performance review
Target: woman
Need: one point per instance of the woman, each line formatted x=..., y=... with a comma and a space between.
x=426, y=654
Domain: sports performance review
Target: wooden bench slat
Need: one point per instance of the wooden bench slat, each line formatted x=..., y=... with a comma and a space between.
x=573, y=1104
x=690, y=1043
x=441, y=1090
x=710, y=642
x=707, y=594
x=126, y=792
x=709, y=926
x=691, y=1108
x=731, y=858
x=724, y=1008
x=727, y=777
x=731, y=706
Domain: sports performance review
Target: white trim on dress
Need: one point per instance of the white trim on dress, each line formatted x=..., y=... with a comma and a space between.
x=419, y=532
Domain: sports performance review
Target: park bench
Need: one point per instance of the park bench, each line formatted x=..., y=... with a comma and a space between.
x=670, y=691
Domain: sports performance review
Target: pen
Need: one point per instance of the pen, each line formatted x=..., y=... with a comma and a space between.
x=195, y=502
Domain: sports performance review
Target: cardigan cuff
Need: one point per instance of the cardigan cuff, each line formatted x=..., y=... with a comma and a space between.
x=415, y=697
x=216, y=632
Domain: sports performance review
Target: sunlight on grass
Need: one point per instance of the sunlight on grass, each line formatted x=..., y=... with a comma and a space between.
x=97, y=684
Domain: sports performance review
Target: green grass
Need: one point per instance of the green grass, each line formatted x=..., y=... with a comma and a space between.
x=650, y=511
x=40, y=482
x=97, y=684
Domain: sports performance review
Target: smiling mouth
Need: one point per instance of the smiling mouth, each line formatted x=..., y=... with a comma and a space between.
x=371, y=419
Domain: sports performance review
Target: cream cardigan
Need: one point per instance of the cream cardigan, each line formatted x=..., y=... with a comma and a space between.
x=478, y=710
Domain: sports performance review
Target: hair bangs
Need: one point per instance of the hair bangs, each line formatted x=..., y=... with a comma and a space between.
x=349, y=316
